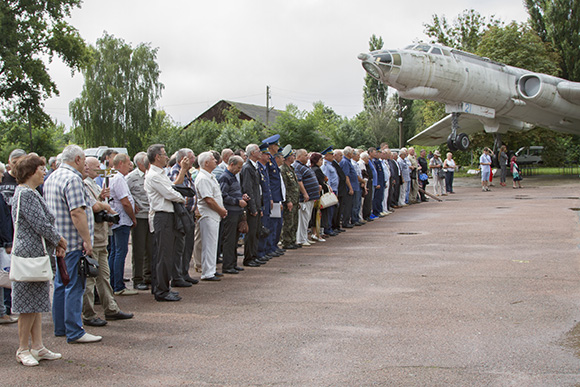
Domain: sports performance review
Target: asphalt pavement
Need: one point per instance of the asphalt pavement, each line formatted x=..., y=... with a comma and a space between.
x=480, y=289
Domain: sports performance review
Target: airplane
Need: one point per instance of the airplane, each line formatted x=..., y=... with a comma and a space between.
x=477, y=92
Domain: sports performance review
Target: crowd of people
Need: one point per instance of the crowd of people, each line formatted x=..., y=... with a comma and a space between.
x=183, y=214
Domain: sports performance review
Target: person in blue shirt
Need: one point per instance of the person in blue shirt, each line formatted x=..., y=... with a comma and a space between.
x=333, y=181
x=277, y=193
x=349, y=171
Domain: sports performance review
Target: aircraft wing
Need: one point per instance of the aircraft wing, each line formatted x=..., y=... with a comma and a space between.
x=437, y=133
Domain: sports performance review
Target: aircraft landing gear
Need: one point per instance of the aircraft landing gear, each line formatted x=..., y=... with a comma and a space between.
x=457, y=141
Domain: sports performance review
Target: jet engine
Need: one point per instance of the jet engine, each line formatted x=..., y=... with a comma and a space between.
x=533, y=88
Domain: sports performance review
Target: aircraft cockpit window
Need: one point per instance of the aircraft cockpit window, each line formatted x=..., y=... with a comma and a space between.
x=446, y=52
x=422, y=47
x=435, y=51
x=396, y=59
x=409, y=47
x=383, y=57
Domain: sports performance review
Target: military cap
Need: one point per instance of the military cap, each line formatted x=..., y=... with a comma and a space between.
x=330, y=150
x=271, y=140
x=287, y=151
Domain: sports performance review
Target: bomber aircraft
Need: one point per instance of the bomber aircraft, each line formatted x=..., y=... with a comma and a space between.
x=477, y=92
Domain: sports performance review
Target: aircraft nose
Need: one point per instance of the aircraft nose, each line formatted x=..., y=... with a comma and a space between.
x=364, y=56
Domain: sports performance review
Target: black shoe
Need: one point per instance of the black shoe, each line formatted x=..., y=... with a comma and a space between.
x=191, y=280
x=261, y=262
x=141, y=287
x=168, y=298
x=290, y=247
x=238, y=268
x=214, y=278
x=341, y=230
x=95, y=322
x=181, y=284
x=348, y=226
x=358, y=224
x=252, y=264
x=119, y=316
x=274, y=254
x=280, y=250
x=230, y=271
x=216, y=274
x=298, y=246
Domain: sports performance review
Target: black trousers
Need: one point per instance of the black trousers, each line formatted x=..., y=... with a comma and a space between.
x=251, y=242
x=337, y=213
x=142, y=247
x=229, y=239
x=184, y=252
x=367, y=208
x=346, y=209
x=164, y=253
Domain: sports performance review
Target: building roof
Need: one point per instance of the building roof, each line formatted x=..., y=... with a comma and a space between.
x=247, y=111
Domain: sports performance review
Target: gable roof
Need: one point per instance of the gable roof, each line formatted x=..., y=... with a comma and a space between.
x=247, y=111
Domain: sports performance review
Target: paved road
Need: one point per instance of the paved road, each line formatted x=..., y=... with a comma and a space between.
x=482, y=289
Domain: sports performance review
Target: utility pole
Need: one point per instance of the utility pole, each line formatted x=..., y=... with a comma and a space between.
x=267, y=105
x=400, y=123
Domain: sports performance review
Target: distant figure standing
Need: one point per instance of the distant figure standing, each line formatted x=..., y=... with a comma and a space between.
x=485, y=165
x=503, y=163
x=449, y=168
x=515, y=170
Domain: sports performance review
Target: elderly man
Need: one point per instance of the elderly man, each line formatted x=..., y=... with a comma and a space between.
x=290, y=214
x=124, y=204
x=359, y=188
x=277, y=192
x=333, y=181
x=267, y=204
x=212, y=211
x=180, y=175
x=414, y=188
x=351, y=179
x=67, y=198
x=234, y=202
x=162, y=220
x=100, y=241
x=342, y=191
x=141, y=235
x=309, y=193
x=250, y=181
x=405, y=176
x=378, y=183
x=221, y=168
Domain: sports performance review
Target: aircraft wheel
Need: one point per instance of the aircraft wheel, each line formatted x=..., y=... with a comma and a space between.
x=462, y=142
x=451, y=144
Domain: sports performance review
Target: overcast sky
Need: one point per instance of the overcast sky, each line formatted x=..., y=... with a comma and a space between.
x=306, y=50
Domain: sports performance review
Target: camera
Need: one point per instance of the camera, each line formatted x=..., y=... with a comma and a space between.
x=104, y=216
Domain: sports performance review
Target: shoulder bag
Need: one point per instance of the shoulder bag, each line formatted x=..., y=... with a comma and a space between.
x=36, y=269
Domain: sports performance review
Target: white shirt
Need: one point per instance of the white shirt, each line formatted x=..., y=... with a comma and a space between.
x=207, y=186
x=160, y=192
x=119, y=191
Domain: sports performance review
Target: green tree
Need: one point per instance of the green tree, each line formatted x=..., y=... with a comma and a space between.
x=120, y=91
x=531, y=54
x=29, y=32
x=463, y=33
x=48, y=139
x=300, y=130
x=558, y=23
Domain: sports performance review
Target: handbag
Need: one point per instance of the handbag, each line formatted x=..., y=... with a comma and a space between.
x=329, y=199
x=243, y=227
x=36, y=269
x=88, y=266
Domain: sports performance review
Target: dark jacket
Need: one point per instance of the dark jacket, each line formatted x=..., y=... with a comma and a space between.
x=250, y=181
x=342, y=188
x=231, y=191
x=321, y=177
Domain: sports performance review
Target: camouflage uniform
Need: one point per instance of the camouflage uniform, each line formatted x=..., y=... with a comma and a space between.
x=290, y=225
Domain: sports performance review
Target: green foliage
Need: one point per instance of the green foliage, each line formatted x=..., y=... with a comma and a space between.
x=30, y=31
x=301, y=129
x=532, y=54
x=117, y=100
x=464, y=33
x=48, y=137
x=558, y=22
x=239, y=136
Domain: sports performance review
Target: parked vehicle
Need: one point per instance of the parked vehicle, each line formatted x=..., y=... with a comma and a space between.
x=530, y=155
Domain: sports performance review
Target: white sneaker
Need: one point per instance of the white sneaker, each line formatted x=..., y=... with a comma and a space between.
x=306, y=243
x=87, y=338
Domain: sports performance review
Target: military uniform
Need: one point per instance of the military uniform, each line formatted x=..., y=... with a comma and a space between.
x=290, y=218
x=266, y=198
x=277, y=197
